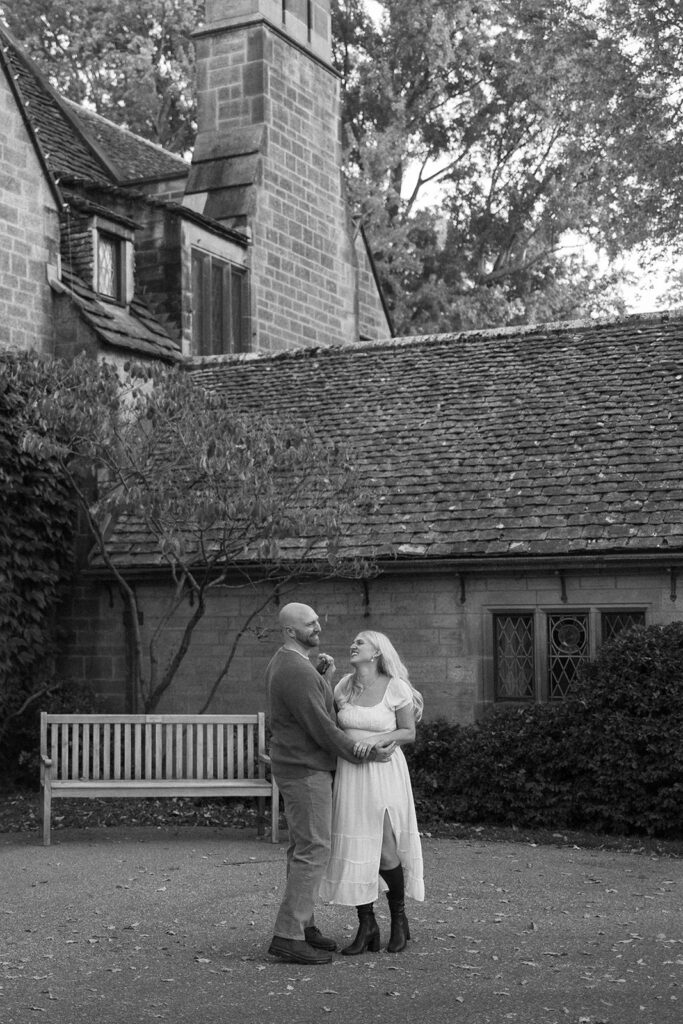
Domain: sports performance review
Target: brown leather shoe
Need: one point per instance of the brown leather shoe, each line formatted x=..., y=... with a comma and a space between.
x=314, y=937
x=296, y=951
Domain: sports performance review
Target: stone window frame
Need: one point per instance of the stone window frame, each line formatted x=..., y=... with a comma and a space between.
x=124, y=239
x=544, y=652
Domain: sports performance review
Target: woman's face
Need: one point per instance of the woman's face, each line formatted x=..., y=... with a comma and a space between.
x=362, y=651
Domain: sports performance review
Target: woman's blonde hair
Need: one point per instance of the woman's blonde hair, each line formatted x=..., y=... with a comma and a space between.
x=389, y=664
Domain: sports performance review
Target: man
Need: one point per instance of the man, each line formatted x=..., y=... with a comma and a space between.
x=305, y=744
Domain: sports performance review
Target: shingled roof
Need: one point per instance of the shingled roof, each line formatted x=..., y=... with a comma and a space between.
x=553, y=440
x=75, y=142
x=132, y=327
x=135, y=159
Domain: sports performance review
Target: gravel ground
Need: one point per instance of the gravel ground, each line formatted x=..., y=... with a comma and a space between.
x=134, y=923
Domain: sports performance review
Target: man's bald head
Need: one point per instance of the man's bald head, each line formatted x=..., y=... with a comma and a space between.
x=300, y=625
x=295, y=614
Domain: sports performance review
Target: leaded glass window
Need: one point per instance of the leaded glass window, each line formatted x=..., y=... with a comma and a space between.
x=613, y=623
x=514, y=657
x=568, y=648
x=538, y=655
x=109, y=276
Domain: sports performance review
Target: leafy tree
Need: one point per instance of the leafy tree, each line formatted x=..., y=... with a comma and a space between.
x=537, y=122
x=224, y=498
x=130, y=60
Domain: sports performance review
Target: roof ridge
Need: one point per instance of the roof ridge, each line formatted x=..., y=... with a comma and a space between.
x=406, y=341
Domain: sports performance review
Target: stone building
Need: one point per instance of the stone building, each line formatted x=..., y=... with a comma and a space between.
x=529, y=481
x=114, y=246
x=529, y=485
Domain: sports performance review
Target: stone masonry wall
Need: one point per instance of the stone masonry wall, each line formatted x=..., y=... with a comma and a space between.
x=29, y=235
x=444, y=641
x=257, y=74
x=303, y=263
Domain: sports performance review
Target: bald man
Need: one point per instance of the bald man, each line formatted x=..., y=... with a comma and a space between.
x=305, y=745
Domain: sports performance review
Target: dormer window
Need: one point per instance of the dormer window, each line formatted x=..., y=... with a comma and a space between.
x=113, y=248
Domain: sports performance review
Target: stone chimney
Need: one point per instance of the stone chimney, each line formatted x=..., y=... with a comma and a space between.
x=268, y=160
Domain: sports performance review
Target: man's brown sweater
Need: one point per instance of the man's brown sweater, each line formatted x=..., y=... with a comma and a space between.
x=305, y=737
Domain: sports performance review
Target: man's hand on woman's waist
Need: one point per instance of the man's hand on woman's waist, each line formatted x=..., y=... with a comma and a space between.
x=374, y=750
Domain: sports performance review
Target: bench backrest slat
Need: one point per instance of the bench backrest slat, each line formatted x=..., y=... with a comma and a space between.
x=230, y=756
x=106, y=751
x=124, y=747
x=240, y=750
x=210, y=764
x=220, y=752
x=137, y=750
x=96, y=747
x=65, y=752
x=85, y=746
x=199, y=749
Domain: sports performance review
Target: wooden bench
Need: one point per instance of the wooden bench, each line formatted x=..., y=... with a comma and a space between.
x=156, y=755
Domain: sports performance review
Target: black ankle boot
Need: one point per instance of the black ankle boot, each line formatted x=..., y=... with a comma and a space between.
x=367, y=936
x=400, y=932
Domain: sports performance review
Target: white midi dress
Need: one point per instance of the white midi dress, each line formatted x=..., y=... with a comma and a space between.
x=362, y=795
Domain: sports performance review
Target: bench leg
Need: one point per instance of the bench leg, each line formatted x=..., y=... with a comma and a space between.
x=261, y=815
x=275, y=814
x=46, y=811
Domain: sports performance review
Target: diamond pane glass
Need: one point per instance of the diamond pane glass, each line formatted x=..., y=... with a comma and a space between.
x=614, y=622
x=514, y=657
x=567, y=649
x=108, y=266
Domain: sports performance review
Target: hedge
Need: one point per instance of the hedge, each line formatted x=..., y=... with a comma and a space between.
x=608, y=759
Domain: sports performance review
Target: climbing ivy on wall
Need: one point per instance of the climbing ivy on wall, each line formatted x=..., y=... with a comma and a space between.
x=36, y=533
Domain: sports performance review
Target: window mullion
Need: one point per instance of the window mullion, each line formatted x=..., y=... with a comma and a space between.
x=542, y=669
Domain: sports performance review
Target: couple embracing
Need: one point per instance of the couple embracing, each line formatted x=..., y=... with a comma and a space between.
x=337, y=759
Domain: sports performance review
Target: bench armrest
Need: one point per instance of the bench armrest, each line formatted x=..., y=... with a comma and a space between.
x=47, y=761
x=265, y=758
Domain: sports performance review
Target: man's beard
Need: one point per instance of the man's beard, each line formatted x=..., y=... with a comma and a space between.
x=306, y=640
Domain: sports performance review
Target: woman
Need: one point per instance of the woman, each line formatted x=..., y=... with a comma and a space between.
x=374, y=829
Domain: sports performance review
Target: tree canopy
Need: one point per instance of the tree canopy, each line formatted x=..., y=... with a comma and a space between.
x=538, y=123
x=131, y=61
x=491, y=144
x=218, y=498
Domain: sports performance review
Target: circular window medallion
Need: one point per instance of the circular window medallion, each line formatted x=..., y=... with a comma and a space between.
x=569, y=636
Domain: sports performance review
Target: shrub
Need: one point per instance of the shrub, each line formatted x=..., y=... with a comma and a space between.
x=510, y=769
x=36, y=534
x=23, y=767
x=608, y=759
x=625, y=717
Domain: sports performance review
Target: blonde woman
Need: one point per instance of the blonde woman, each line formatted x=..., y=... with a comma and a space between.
x=374, y=828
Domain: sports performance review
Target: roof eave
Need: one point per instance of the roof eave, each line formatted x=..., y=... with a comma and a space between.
x=456, y=565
